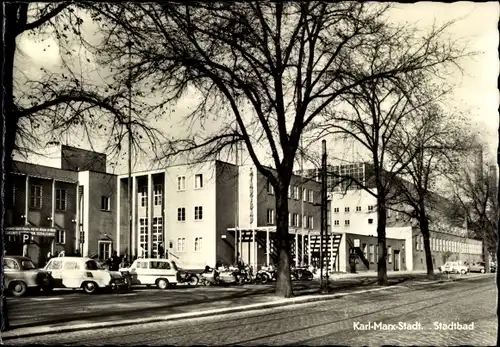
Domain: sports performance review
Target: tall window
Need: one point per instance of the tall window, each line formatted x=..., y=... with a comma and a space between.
x=181, y=214
x=372, y=254
x=198, y=212
x=143, y=191
x=270, y=189
x=198, y=244
x=290, y=188
x=311, y=196
x=61, y=199
x=304, y=194
x=347, y=222
x=336, y=210
x=270, y=216
x=346, y=209
x=158, y=190
x=61, y=237
x=389, y=254
x=311, y=222
x=181, y=244
x=105, y=205
x=358, y=208
x=198, y=181
x=370, y=207
x=36, y=196
x=143, y=235
x=104, y=251
x=157, y=233
x=295, y=219
x=296, y=192
x=181, y=183
x=336, y=223
x=305, y=221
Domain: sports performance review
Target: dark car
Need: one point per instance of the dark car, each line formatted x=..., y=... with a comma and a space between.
x=20, y=274
x=478, y=267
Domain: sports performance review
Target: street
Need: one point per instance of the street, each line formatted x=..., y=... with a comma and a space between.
x=336, y=321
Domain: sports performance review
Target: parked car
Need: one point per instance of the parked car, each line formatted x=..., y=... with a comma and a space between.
x=20, y=274
x=478, y=267
x=493, y=267
x=78, y=272
x=453, y=267
x=151, y=271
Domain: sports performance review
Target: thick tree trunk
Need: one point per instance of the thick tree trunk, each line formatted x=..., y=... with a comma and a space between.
x=424, y=229
x=284, y=281
x=382, y=250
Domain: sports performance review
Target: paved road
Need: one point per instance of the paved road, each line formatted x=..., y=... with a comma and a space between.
x=330, y=322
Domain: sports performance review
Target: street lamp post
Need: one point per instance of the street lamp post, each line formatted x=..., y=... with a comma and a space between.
x=323, y=284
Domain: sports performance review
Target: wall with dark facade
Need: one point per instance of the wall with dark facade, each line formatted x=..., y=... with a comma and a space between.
x=77, y=159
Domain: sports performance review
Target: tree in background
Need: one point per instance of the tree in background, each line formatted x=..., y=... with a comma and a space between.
x=264, y=71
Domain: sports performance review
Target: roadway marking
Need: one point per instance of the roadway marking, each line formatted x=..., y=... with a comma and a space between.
x=46, y=299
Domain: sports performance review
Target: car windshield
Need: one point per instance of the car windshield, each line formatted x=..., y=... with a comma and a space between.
x=28, y=265
x=92, y=265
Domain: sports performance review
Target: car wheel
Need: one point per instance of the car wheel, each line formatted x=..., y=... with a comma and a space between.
x=18, y=288
x=264, y=278
x=463, y=272
x=90, y=287
x=483, y=271
x=193, y=280
x=162, y=283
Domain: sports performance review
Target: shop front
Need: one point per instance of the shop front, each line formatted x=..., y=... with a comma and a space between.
x=33, y=242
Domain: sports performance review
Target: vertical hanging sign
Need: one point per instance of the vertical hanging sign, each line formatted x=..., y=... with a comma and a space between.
x=251, y=196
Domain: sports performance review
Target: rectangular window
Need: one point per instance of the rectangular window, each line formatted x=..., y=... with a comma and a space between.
x=290, y=220
x=347, y=222
x=295, y=220
x=305, y=221
x=370, y=207
x=157, y=234
x=304, y=194
x=336, y=210
x=311, y=196
x=270, y=217
x=290, y=191
x=358, y=208
x=197, y=244
x=372, y=254
x=370, y=220
x=181, y=214
x=346, y=209
x=311, y=222
x=181, y=244
x=198, y=212
x=143, y=192
x=143, y=236
x=181, y=183
x=336, y=223
x=104, y=251
x=198, y=181
x=61, y=237
x=270, y=188
x=105, y=203
x=296, y=192
x=389, y=254
x=36, y=196
x=61, y=198
x=158, y=191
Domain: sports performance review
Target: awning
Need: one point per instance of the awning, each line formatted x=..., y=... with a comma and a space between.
x=32, y=230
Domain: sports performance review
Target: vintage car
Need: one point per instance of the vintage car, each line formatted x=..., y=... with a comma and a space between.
x=454, y=267
x=20, y=274
x=150, y=271
x=85, y=273
x=478, y=267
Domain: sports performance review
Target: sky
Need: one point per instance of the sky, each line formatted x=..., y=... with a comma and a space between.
x=477, y=93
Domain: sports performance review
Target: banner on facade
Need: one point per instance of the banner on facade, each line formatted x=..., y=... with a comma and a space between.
x=33, y=231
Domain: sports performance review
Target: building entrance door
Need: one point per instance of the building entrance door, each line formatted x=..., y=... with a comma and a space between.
x=396, y=261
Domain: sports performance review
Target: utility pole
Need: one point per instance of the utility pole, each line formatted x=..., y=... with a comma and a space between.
x=324, y=286
x=129, y=130
x=301, y=203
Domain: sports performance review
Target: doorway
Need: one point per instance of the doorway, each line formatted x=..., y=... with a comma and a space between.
x=397, y=260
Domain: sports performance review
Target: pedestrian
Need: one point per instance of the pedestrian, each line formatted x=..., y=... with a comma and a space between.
x=161, y=251
x=25, y=249
x=114, y=262
x=77, y=253
x=62, y=254
x=49, y=255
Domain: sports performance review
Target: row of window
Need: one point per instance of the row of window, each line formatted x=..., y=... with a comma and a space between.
x=181, y=244
x=293, y=220
x=181, y=213
x=181, y=182
x=347, y=222
x=372, y=256
x=158, y=189
x=358, y=209
x=441, y=245
x=294, y=192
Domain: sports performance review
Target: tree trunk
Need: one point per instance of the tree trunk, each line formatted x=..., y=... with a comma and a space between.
x=284, y=281
x=424, y=229
x=382, y=250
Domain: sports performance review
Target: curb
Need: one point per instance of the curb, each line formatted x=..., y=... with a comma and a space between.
x=47, y=330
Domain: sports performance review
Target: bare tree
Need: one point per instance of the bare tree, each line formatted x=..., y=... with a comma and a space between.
x=263, y=71
x=438, y=139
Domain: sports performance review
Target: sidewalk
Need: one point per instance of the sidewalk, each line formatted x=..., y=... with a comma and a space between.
x=252, y=298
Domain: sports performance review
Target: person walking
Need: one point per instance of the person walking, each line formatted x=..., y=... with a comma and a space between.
x=114, y=262
x=161, y=250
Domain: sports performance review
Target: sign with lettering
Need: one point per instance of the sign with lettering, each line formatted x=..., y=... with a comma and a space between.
x=33, y=231
x=356, y=243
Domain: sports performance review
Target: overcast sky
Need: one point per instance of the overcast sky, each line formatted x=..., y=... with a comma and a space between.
x=478, y=94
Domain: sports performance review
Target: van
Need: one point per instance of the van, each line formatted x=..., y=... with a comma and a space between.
x=151, y=271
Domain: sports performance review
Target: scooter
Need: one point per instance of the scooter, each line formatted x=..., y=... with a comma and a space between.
x=212, y=276
x=187, y=277
x=266, y=274
x=301, y=273
x=245, y=276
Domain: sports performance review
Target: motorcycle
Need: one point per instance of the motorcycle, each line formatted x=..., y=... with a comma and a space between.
x=245, y=275
x=301, y=273
x=187, y=277
x=266, y=274
x=212, y=276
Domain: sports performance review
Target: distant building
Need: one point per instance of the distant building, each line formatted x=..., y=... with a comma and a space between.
x=49, y=208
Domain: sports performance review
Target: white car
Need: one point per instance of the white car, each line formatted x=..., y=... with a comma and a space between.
x=454, y=267
x=85, y=273
x=151, y=271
